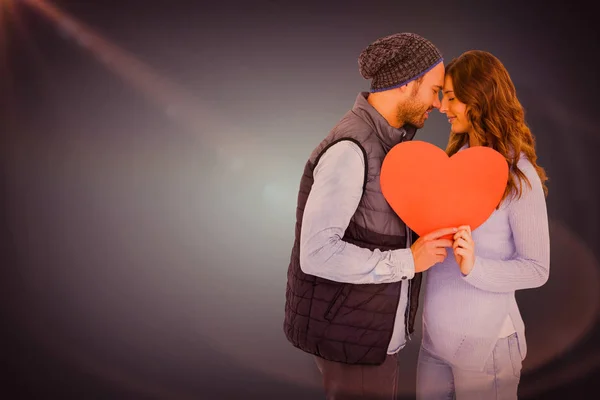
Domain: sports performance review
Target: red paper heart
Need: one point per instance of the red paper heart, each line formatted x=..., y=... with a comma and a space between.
x=429, y=190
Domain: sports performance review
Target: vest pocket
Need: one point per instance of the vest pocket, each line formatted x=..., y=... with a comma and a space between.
x=338, y=299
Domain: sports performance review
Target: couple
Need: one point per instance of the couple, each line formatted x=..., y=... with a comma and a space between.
x=355, y=271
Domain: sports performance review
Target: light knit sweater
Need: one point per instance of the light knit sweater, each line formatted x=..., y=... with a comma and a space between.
x=463, y=316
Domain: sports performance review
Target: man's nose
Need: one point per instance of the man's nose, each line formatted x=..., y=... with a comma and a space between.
x=436, y=103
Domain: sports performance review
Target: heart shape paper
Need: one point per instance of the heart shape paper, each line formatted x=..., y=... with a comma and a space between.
x=429, y=190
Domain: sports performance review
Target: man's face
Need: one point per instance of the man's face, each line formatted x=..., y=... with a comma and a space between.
x=422, y=97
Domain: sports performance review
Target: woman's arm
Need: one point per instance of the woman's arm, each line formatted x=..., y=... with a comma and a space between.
x=530, y=265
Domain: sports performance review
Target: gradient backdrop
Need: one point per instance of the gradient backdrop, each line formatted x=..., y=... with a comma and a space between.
x=151, y=154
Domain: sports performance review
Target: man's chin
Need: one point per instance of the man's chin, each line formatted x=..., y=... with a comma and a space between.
x=417, y=124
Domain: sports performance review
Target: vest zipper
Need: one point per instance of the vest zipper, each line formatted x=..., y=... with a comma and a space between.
x=407, y=312
x=408, y=244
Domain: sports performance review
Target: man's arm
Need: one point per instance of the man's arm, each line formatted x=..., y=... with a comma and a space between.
x=530, y=266
x=333, y=200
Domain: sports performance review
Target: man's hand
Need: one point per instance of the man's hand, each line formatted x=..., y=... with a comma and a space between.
x=464, y=249
x=431, y=249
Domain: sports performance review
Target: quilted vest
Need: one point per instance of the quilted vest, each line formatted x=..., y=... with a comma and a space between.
x=345, y=322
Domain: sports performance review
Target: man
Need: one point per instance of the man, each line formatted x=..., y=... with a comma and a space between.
x=354, y=274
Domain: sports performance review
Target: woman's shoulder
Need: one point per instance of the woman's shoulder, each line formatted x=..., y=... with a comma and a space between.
x=526, y=166
x=533, y=182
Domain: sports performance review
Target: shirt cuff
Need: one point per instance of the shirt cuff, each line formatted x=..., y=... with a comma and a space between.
x=475, y=275
x=403, y=264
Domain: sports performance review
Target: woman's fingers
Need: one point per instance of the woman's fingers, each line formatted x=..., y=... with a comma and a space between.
x=461, y=242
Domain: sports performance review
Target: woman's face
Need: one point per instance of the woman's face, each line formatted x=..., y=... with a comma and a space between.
x=454, y=109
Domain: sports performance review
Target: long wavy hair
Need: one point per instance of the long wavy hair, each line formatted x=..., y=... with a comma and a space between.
x=483, y=84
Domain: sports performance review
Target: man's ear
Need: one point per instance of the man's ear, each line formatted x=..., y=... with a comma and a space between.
x=403, y=90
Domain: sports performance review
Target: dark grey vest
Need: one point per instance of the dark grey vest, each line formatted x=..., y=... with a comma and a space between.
x=339, y=321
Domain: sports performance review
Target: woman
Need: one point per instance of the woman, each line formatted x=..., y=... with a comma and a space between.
x=473, y=334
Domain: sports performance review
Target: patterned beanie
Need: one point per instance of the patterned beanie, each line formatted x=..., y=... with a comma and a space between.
x=395, y=60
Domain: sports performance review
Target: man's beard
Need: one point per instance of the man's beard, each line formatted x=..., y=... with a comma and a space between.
x=412, y=112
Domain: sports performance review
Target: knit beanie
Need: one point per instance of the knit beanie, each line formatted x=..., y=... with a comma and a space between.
x=395, y=60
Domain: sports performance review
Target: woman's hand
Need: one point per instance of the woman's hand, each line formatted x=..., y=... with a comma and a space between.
x=464, y=249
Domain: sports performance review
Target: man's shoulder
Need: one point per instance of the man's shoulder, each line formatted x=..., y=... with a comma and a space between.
x=346, y=146
x=352, y=124
x=346, y=134
x=343, y=151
